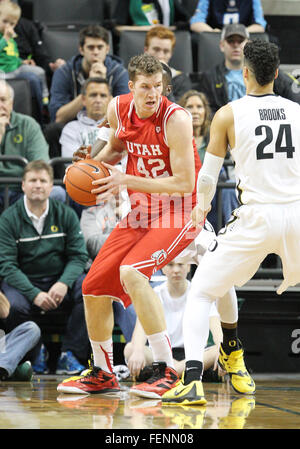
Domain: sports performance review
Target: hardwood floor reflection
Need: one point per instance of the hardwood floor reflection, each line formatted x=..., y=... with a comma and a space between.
x=37, y=405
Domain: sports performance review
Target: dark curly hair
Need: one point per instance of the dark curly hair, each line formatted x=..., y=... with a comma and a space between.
x=263, y=59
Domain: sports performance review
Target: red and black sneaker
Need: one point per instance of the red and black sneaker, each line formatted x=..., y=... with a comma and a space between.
x=94, y=380
x=163, y=379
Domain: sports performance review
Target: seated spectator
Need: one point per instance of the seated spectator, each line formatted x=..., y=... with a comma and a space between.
x=95, y=96
x=42, y=261
x=224, y=82
x=96, y=223
x=10, y=62
x=93, y=60
x=16, y=346
x=31, y=46
x=160, y=42
x=213, y=15
x=173, y=295
x=20, y=135
x=196, y=102
x=142, y=14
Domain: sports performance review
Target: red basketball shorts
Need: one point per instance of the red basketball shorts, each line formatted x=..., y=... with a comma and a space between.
x=144, y=249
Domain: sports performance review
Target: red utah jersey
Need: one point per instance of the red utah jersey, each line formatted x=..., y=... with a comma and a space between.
x=146, y=143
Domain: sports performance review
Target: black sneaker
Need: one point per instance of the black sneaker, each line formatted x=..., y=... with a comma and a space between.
x=145, y=373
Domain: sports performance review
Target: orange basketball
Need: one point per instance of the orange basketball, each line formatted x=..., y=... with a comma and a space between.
x=79, y=178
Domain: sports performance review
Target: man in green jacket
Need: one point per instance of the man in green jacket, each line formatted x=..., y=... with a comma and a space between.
x=42, y=261
x=20, y=135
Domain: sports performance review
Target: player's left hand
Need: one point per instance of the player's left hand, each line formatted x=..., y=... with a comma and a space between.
x=111, y=185
x=83, y=152
x=198, y=216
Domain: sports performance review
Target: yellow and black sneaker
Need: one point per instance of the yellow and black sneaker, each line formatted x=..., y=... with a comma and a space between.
x=190, y=394
x=234, y=365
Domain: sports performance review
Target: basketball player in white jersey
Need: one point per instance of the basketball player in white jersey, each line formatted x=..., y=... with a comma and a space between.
x=263, y=134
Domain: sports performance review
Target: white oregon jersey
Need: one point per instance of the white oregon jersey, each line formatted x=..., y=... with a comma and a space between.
x=267, y=149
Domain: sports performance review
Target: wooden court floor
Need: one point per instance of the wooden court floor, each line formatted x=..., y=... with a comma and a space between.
x=37, y=405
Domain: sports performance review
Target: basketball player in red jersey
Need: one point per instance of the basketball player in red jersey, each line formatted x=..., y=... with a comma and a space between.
x=161, y=175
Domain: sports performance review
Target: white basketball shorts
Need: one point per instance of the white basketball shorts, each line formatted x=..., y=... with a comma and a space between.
x=253, y=232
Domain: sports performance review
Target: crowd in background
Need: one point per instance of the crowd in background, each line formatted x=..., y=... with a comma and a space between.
x=69, y=98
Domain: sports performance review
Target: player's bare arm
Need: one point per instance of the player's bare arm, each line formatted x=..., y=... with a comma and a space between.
x=221, y=135
x=180, y=140
x=97, y=148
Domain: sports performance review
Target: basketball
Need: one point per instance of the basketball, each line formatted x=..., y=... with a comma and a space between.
x=79, y=178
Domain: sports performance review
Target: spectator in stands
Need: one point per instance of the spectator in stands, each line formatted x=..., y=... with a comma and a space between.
x=16, y=346
x=31, y=46
x=93, y=60
x=10, y=62
x=95, y=94
x=196, y=102
x=224, y=82
x=160, y=42
x=213, y=15
x=20, y=135
x=143, y=13
x=42, y=261
x=65, y=96
x=173, y=295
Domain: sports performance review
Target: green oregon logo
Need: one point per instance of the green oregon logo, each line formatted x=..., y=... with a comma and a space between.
x=54, y=228
x=18, y=138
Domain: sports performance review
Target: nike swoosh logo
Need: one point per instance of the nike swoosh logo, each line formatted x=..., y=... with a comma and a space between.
x=97, y=169
x=177, y=393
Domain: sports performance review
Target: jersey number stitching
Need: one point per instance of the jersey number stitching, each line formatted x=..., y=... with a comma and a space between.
x=284, y=135
x=154, y=169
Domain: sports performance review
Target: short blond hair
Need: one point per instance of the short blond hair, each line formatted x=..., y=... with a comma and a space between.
x=11, y=8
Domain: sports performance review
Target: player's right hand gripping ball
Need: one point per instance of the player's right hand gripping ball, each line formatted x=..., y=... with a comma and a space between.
x=78, y=180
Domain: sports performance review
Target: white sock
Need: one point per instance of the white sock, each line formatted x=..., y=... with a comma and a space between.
x=161, y=348
x=196, y=326
x=103, y=354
